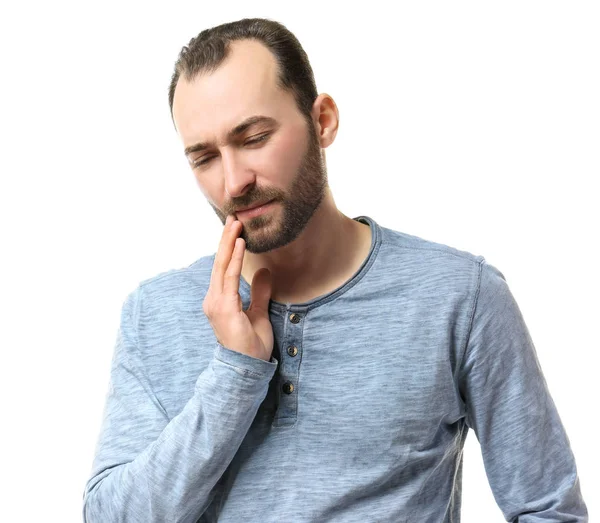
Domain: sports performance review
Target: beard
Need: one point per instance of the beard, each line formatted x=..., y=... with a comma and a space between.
x=272, y=230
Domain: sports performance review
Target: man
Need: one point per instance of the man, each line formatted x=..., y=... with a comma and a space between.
x=340, y=384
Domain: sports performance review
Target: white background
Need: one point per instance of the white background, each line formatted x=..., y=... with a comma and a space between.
x=474, y=124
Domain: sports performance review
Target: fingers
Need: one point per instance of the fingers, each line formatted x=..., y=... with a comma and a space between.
x=260, y=290
x=231, y=285
x=224, y=253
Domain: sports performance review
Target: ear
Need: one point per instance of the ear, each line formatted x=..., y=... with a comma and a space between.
x=326, y=118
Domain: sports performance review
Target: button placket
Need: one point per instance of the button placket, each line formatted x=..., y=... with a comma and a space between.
x=289, y=370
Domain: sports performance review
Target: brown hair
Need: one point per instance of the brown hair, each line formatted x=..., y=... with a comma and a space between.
x=209, y=49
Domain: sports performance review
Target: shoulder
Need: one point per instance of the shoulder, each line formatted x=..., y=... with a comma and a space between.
x=429, y=262
x=174, y=289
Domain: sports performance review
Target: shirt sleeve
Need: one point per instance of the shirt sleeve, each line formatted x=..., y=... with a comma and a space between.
x=149, y=468
x=526, y=452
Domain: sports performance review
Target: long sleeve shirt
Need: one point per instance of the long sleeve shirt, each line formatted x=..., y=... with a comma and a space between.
x=360, y=415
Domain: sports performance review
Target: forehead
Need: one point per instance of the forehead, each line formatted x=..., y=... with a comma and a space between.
x=245, y=84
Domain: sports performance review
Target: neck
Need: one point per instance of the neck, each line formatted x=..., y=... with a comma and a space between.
x=326, y=253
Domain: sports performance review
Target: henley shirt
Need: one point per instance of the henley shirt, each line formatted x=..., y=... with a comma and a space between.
x=360, y=415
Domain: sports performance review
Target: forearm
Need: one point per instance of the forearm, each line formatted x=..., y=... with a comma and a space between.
x=173, y=477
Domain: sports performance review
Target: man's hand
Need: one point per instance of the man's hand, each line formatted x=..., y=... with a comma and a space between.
x=249, y=332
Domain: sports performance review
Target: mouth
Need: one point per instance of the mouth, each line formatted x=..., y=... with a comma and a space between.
x=256, y=210
x=254, y=206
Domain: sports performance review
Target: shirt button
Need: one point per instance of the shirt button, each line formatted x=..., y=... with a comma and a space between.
x=294, y=318
x=288, y=387
x=292, y=351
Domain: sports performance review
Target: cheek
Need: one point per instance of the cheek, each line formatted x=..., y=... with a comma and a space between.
x=284, y=155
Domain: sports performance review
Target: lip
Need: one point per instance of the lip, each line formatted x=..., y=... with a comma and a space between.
x=254, y=211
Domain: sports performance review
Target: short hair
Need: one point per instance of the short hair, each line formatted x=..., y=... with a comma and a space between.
x=207, y=50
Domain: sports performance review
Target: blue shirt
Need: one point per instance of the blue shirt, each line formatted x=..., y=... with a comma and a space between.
x=360, y=415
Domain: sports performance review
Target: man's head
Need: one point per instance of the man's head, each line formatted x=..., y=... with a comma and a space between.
x=224, y=79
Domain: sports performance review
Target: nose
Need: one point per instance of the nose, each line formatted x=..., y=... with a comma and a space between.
x=238, y=178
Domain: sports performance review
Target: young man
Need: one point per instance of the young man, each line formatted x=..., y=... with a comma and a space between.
x=316, y=367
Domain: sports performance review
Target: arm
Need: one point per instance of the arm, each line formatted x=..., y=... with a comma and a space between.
x=148, y=468
x=526, y=452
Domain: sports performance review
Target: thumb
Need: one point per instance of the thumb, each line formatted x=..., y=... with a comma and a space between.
x=260, y=292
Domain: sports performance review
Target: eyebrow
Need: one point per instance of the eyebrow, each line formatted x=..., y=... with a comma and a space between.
x=236, y=131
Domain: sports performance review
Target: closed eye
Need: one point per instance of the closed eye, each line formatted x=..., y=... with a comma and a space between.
x=205, y=159
x=260, y=138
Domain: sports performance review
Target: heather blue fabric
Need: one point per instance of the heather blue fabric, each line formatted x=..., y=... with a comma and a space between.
x=389, y=372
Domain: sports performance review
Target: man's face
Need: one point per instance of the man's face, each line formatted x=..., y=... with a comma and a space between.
x=233, y=172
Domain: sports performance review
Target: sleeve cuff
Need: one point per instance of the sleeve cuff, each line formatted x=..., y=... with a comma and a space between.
x=245, y=362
